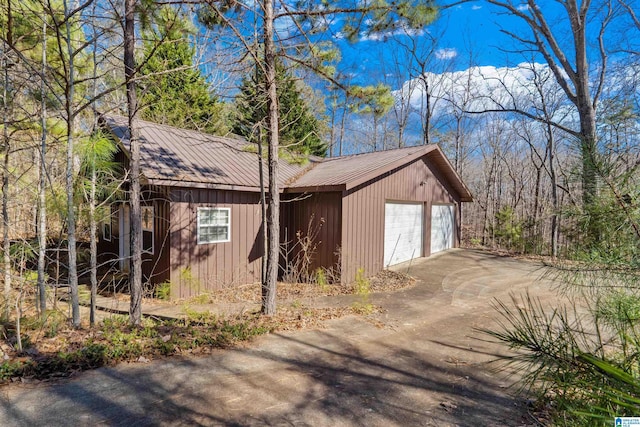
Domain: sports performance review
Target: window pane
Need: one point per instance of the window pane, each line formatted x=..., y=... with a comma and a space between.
x=147, y=218
x=213, y=225
x=220, y=217
x=220, y=233
x=147, y=241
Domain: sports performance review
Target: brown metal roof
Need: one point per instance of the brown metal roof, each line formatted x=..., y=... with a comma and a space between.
x=179, y=157
x=344, y=173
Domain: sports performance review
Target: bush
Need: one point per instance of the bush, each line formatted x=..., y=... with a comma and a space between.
x=362, y=288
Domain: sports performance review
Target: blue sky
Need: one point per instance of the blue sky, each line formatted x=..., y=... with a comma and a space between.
x=475, y=28
x=470, y=27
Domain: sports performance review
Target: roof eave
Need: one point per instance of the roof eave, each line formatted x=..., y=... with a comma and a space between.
x=315, y=189
x=454, y=177
x=202, y=185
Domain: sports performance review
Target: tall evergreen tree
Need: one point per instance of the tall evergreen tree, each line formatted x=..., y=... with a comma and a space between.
x=299, y=128
x=175, y=91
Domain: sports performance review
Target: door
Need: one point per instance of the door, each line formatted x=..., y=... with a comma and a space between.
x=403, y=231
x=124, y=237
x=442, y=227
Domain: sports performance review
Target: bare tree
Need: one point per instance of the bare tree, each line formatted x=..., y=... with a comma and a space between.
x=42, y=182
x=566, y=55
x=273, y=219
x=6, y=145
x=135, y=281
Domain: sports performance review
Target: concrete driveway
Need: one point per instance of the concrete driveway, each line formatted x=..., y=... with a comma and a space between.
x=418, y=363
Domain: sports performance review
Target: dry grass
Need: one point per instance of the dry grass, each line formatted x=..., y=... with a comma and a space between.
x=56, y=349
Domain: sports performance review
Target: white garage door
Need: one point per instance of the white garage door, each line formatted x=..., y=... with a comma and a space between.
x=442, y=221
x=403, y=231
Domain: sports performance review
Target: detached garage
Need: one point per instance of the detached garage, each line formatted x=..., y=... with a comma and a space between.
x=379, y=209
x=202, y=215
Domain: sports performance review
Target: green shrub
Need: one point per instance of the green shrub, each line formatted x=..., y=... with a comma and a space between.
x=163, y=291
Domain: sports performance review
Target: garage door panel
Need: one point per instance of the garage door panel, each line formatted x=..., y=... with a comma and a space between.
x=442, y=227
x=403, y=238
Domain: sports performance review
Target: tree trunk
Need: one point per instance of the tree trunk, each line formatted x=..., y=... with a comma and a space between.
x=273, y=221
x=343, y=121
x=93, y=227
x=71, y=219
x=555, y=226
x=6, y=243
x=427, y=114
x=42, y=182
x=135, y=281
x=263, y=212
x=375, y=132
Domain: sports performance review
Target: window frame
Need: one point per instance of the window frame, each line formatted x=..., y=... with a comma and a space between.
x=106, y=230
x=148, y=230
x=199, y=225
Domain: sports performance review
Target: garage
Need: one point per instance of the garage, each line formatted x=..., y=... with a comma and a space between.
x=403, y=231
x=442, y=227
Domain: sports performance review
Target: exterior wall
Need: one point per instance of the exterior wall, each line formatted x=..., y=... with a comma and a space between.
x=155, y=267
x=326, y=211
x=196, y=268
x=363, y=213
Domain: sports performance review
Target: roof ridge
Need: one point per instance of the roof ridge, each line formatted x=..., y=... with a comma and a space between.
x=235, y=138
x=349, y=156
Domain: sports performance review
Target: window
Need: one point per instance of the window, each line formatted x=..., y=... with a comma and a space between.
x=115, y=220
x=106, y=230
x=214, y=225
x=147, y=229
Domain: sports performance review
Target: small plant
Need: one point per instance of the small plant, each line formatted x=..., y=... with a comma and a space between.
x=321, y=280
x=198, y=317
x=203, y=298
x=54, y=321
x=362, y=288
x=189, y=280
x=163, y=291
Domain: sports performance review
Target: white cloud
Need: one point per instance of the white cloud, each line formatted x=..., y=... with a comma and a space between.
x=382, y=36
x=479, y=88
x=523, y=7
x=446, y=53
x=476, y=7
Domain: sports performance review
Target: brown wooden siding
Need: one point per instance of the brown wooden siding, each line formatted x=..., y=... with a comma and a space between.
x=197, y=268
x=326, y=211
x=108, y=250
x=363, y=210
x=156, y=267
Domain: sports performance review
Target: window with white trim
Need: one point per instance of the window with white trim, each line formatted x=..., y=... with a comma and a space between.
x=214, y=225
x=106, y=230
x=147, y=229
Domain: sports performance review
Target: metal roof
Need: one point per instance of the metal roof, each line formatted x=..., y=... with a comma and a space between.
x=352, y=170
x=347, y=172
x=179, y=157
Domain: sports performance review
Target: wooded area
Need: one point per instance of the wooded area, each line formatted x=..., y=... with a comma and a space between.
x=550, y=147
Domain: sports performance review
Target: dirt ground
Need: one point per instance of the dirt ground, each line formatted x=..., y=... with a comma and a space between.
x=419, y=361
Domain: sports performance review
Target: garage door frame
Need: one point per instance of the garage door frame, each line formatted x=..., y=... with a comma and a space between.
x=413, y=246
x=444, y=242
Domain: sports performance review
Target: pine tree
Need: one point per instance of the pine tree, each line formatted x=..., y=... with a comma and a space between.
x=175, y=91
x=299, y=128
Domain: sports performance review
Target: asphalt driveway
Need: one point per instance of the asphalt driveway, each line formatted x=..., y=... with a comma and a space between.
x=420, y=362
